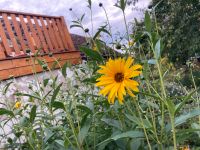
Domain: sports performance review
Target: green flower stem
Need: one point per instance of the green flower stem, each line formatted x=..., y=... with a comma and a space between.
x=164, y=95
x=91, y=17
x=126, y=26
x=149, y=86
x=69, y=116
x=173, y=131
x=73, y=128
x=195, y=87
x=110, y=30
x=142, y=123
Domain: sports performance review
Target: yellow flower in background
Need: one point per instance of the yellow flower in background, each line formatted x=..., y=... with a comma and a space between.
x=94, y=48
x=116, y=79
x=18, y=105
x=131, y=43
x=184, y=148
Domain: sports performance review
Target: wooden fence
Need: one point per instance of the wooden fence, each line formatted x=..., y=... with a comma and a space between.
x=25, y=32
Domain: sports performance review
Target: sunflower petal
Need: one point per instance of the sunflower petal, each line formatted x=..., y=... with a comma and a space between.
x=130, y=93
x=128, y=62
x=106, y=89
x=103, y=78
x=136, y=67
x=120, y=94
x=114, y=90
x=104, y=83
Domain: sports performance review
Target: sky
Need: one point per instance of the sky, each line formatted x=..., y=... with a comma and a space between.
x=79, y=7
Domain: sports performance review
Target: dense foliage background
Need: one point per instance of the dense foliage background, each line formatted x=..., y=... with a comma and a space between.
x=179, y=23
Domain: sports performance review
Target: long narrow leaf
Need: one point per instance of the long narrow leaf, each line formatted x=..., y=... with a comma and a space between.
x=92, y=54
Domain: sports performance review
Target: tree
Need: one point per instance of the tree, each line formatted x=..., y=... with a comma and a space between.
x=179, y=22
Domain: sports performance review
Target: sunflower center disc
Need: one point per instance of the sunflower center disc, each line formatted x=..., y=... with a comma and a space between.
x=119, y=77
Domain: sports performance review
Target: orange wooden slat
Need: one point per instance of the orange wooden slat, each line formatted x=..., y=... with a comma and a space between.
x=55, y=28
x=10, y=33
x=40, y=34
x=46, y=34
x=20, y=66
x=2, y=54
x=18, y=32
x=63, y=37
x=4, y=40
x=34, y=33
x=69, y=40
x=26, y=14
x=28, y=37
x=52, y=35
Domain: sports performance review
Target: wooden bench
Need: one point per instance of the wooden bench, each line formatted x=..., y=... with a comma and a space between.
x=25, y=32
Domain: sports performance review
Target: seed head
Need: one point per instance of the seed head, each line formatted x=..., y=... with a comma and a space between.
x=100, y=4
x=86, y=30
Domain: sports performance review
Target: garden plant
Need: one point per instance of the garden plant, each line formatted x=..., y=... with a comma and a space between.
x=133, y=99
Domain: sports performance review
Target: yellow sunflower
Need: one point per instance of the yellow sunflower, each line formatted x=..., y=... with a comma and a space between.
x=116, y=79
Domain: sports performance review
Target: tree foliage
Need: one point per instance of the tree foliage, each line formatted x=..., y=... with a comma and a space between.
x=179, y=23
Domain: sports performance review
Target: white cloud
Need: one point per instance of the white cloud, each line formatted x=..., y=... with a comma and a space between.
x=61, y=8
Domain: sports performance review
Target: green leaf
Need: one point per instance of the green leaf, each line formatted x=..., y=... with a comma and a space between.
x=183, y=118
x=151, y=95
x=147, y=102
x=196, y=127
x=128, y=134
x=84, y=130
x=112, y=122
x=58, y=105
x=92, y=79
x=55, y=93
x=100, y=45
x=24, y=121
x=84, y=108
x=53, y=85
x=157, y=49
x=60, y=144
x=147, y=22
x=48, y=135
x=181, y=104
x=40, y=62
x=82, y=17
x=90, y=3
x=27, y=95
x=152, y=61
x=76, y=25
x=53, y=66
x=6, y=87
x=135, y=144
x=102, y=29
x=45, y=82
x=4, y=111
x=33, y=113
x=121, y=4
x=64, y=70
x=170, y=106
x=92, y=54
x=136, y=120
